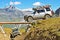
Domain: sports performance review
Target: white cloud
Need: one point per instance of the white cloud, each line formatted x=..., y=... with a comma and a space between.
x=15, y=3
x=36, y=4
x=11, y=3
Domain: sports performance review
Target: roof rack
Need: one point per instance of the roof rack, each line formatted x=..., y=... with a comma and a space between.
x=41, y=7
x=46, y=6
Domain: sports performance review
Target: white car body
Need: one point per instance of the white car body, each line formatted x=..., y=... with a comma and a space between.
x=40, y=15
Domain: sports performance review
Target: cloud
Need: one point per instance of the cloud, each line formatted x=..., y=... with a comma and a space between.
x=11, y=3
x=36, y=4
x=15, y=3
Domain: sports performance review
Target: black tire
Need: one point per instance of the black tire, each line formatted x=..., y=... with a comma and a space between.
x=47, y=16
x=25, y=18
x=30, y=19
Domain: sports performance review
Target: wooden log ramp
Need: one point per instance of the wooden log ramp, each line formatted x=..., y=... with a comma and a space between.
x=15, y=23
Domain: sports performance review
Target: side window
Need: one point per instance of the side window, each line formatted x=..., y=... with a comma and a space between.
x=40, y=11
x=47, y=9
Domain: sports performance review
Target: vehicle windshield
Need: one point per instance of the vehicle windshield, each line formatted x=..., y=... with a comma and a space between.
x=47, y=9
x=34, y=12
x=39, y=11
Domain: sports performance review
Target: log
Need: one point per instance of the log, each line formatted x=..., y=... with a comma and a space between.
x=15, y=23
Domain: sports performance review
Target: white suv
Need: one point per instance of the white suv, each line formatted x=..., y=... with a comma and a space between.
x=39, y=13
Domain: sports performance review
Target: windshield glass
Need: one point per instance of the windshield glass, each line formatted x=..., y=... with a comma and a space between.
x=34, y=12
x=39, y=11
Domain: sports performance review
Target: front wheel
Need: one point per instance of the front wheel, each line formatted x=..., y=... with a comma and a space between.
x=29, y=19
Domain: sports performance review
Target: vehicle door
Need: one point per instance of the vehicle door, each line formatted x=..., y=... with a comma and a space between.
x=41, y=13
x=36, y=15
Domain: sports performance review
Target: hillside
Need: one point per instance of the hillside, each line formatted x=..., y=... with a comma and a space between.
x=11, y=14
x=48, y=29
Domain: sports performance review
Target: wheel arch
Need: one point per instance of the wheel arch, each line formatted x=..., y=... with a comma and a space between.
x=46, y=14
x=28, y=17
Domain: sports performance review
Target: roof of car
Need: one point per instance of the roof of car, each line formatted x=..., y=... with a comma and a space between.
x=42, y=7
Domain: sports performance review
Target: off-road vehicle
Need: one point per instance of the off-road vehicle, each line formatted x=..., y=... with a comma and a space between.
x=40, y=12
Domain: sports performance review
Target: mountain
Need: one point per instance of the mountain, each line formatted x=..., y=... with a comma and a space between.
x=11, y=14
x=57, y=12
x=27, y=12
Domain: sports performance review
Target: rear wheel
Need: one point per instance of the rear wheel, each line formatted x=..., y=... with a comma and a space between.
x=29, y=19
x=47, y=16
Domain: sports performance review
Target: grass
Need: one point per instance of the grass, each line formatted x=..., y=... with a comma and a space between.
x=49, y=28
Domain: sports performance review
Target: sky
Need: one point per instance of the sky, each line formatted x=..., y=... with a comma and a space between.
x=25, y=4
